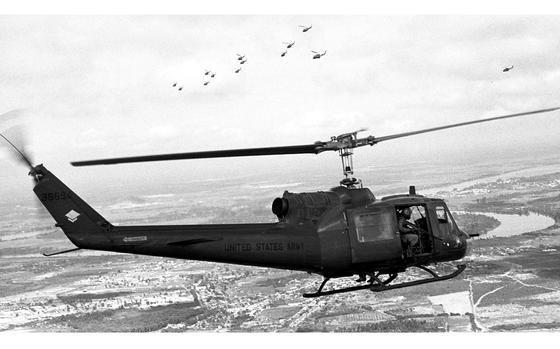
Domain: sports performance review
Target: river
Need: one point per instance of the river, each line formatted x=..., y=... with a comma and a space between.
x=512, y=224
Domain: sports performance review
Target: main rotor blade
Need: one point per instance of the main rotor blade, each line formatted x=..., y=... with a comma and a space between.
x=412, y=133
x=294, y=149
x=316, y=148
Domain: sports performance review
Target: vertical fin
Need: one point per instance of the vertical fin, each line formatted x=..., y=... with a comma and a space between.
x=77, y=219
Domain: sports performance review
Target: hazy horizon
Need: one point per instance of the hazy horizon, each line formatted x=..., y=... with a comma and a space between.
x=101, y=86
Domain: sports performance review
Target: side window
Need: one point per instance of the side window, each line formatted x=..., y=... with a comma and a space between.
x=445, y=224
x=374, y=226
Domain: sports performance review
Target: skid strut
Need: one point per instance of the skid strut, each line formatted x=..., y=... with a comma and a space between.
x=377, y=285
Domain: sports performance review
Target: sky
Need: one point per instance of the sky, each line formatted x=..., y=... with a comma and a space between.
x=101, y=86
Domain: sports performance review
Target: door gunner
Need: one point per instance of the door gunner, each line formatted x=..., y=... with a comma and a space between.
x=408, y=230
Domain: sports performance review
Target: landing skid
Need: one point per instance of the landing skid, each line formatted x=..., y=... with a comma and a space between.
x=377, y=285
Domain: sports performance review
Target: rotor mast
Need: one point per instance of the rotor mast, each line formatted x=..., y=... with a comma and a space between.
x=346, y=143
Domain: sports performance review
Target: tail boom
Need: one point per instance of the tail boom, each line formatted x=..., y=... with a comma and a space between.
x=267, y=245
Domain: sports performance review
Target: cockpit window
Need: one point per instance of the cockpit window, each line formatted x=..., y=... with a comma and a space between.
x=418, y=212
x=445, y=223
x=441, y=213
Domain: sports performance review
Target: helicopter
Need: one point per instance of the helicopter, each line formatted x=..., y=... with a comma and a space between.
x=506, y=69
x=318, y=55
x=237, y=70
x=289, y=44
x=337, y=233
x=283, y=53
x=240, y=57
x=243, y=61
x=305, y=28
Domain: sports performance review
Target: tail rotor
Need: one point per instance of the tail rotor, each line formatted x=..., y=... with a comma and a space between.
x=13, y=139
x=12, y=134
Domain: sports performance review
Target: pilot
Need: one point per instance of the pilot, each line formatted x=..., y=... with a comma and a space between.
x=408, y=230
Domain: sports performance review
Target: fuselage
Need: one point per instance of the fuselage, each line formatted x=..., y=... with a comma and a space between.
x=336, y=233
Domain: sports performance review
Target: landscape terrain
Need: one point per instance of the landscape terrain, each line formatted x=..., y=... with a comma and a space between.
x=512, y=282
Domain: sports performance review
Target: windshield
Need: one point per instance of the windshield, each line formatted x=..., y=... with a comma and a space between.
x=446, y=228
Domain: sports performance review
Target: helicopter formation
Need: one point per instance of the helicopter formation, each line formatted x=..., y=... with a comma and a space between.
x=338, y=233
x=241, y=58
x=289, y=45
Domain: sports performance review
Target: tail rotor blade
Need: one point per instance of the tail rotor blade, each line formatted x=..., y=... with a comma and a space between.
x=12, y=134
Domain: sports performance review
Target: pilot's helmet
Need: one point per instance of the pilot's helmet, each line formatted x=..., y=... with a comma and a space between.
x=407, y=212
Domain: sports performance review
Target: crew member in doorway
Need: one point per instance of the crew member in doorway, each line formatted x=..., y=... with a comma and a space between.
x=408, y=231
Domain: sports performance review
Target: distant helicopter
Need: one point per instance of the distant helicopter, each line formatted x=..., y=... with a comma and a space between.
x=206, y=72
x=238, y=70
x=213, y=74
x=206, y=83
x=180, y=88
x=289, y=44
x=243, y=61
x=305, y=28
x=283, y=53
x=506, y=69
x=174, y=85
x=337, y=233
x=240, y=57
x=318, y=55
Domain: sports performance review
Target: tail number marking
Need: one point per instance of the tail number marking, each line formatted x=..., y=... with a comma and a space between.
x=62, y=195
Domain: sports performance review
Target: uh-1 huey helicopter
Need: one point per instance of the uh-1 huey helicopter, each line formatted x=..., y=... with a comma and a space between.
x=337, y=233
